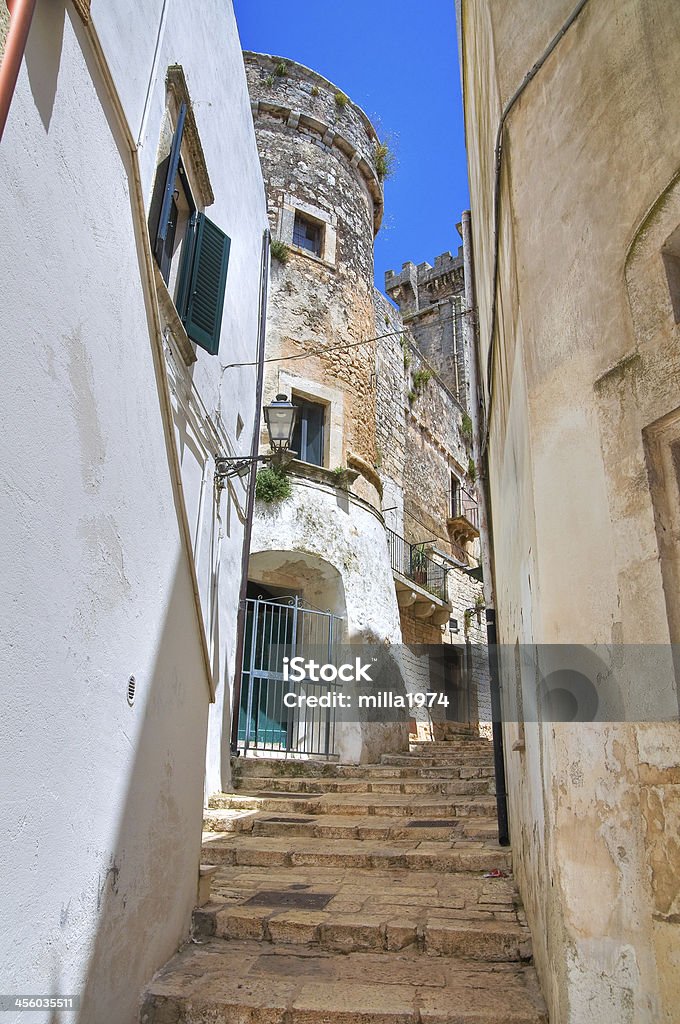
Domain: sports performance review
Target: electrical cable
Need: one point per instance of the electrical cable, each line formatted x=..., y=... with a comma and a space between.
x=336, y=348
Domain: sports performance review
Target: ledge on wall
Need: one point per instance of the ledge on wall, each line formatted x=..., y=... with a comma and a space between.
x=424, y=605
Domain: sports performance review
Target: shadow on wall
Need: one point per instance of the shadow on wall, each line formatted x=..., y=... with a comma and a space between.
x=147, y=891
x=43, y=56
x=148, y=877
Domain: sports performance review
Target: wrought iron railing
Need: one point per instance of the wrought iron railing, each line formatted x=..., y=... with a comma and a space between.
x=276, y=630
x=464, y=506
x=410, y=560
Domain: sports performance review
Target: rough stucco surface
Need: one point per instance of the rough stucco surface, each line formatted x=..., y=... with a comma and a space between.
x=585, y=398
x=4, y=25
x=101, y=801
x=337, y=531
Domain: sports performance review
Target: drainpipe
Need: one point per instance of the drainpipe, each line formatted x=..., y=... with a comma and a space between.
x=21, y=15
x=485, y=526
x=250, y=506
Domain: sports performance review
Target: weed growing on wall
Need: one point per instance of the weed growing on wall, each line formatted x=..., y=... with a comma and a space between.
x=384, y=160
x=279, y=250
x=272, y=485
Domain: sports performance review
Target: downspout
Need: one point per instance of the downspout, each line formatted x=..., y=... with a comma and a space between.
x=21, y=15
x=485, y=526
x=250, y=506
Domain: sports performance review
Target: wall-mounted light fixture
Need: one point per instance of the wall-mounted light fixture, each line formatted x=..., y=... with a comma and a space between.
x=280, y=417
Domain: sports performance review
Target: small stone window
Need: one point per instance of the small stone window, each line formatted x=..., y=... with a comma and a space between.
x=308, y=436
x=308, y=229
x=307, y=234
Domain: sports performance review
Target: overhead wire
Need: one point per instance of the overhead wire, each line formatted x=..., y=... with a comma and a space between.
x=337, y=348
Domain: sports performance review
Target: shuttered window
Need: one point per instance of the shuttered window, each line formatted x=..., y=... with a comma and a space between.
x=207, y=281
x=166, y=224
x=190, y=250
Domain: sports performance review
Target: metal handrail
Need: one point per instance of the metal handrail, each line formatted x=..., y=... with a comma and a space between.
x=411, y=561
x=464, y=505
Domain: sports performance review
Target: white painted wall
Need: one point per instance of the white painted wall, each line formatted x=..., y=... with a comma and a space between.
x=344, y=532
x=101, y=802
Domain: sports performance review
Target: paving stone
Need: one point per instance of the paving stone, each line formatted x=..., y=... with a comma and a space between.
x=354, y=894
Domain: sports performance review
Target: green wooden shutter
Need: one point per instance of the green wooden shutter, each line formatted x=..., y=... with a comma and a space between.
x=169, y=185
x=203, y=316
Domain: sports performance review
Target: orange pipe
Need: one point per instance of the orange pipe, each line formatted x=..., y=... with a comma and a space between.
x=21, y=15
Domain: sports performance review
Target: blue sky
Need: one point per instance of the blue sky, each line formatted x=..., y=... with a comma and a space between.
x=399, y=62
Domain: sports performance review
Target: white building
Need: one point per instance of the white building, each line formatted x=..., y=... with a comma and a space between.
x=121, y=560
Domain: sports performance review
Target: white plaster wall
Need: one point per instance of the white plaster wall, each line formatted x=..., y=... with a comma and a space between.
x=212, y=388
x=101, y=802
x=343, y=531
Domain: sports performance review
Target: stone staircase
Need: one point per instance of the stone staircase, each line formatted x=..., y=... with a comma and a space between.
x=356, y=893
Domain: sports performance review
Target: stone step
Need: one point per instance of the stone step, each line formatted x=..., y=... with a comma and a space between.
x=330, y=826
x=243, y=768
x=401, y=805
x=349, y=911
x=418, y=786
x=259, y=983
x=442, y=761
x=415, y=854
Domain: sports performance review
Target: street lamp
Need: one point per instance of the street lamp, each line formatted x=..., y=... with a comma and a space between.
x=280, y=417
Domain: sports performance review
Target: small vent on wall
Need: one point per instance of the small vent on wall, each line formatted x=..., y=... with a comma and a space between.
x=131, y=687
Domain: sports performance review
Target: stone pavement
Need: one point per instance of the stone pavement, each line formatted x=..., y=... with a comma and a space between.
x=356, y=894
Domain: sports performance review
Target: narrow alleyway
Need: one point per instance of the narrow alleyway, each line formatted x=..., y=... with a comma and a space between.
x=356, y=894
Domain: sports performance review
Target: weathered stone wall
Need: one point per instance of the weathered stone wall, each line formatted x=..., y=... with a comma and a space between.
x=4, y=25
x=318, y=157
x=420, y=442
x=584, y=494
x=430, y=300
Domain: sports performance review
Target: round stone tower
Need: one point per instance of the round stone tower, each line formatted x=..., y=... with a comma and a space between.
x=321, y=160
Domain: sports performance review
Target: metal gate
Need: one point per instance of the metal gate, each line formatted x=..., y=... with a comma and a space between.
x=274, y=630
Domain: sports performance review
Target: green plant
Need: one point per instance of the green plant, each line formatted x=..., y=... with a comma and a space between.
x=279, y=250
x=479, y=607
x=421, y=378
x=384, y=160
x=472, y=469
x=269, y=81
x=466, y=427
x=387, y=320
x=407, y=359
x=272, y=485
x=281, y=69
x=418, y=558
x=467, y=620
x=341, y=100
x=315, y=90
x=411, y=397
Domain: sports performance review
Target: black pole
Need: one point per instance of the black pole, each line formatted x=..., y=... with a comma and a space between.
x=248, y=528
x=497, y=725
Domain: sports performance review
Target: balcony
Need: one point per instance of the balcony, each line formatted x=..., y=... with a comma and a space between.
x=463, y=523
x=420, y=581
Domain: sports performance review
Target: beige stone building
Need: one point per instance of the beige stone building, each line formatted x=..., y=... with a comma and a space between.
x=368, y=546
x=573, y=136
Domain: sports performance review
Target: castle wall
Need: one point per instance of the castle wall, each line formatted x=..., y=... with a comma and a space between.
x=321, y=164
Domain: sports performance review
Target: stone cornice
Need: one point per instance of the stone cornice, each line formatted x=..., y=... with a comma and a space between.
x=330, y=137
x=177, y=84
